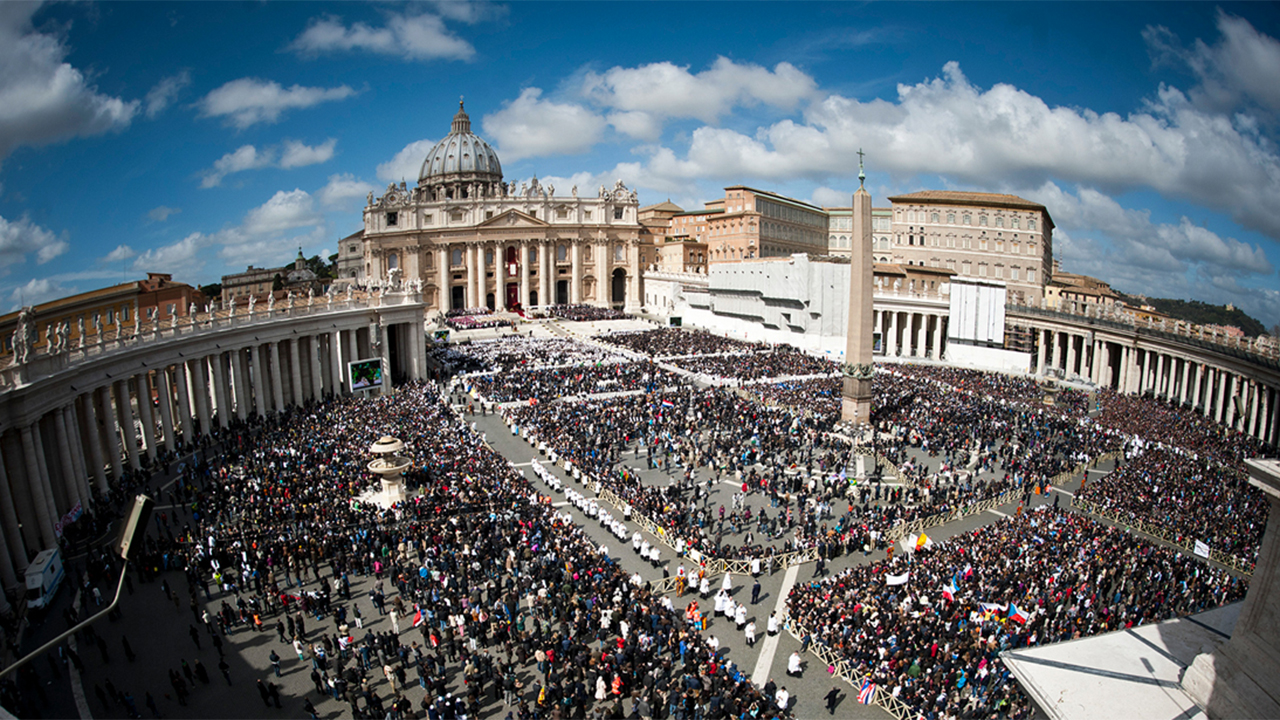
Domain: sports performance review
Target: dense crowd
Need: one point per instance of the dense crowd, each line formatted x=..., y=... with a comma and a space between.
x=671, y=342
x=1011, y=388
x=818, y=395
x=586, y=313
x=1193, y=499
x=1158, y=422
x=513, y=352
x=780, y=361
x=545, y=384
x=1044, y=576
x=477, y=322
x=516, y=601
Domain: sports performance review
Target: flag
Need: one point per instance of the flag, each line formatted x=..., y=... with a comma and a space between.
x=667, y=403
x=1201, y=549
x=868, y=692
x=968, y=571
x=949, y=591
x=343, y=642
x=417, y=615
x=923, y=542
x=1017, y=615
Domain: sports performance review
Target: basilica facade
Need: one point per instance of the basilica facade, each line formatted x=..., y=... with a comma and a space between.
x=470, y=239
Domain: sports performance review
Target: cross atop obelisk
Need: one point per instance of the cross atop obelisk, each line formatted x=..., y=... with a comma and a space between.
x=858, y=364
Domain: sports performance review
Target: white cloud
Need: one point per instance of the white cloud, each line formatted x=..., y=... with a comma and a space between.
x=291, y=154
x=297, y=154
x=36, y=291
x=672, y=91
x=248, y=101
x=529, y=126
x=341, y=190
x=637, y=124
x=828, y=197
x=1242, y=66
x=284, y=211
x=22, y=237
x=416, y=36
x=45, y=99
x=160, y=97
x=162, y=213
x=407, y=163
x=122, y=252
x=179, y=258
x=948, y=126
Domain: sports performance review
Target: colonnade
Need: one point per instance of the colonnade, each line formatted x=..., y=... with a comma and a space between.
x=1220, y=389
x=500, y=273
x=68, y=435
x=909, y=333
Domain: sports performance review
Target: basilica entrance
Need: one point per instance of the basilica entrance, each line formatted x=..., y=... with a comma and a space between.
x=562, y=292
x=513, y=296
x=457, y=297
x=618, y=296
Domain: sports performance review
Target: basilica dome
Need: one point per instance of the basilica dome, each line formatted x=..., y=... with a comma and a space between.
x=462, y=156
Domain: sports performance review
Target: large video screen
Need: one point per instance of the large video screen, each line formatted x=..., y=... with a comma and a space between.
x=365, y=373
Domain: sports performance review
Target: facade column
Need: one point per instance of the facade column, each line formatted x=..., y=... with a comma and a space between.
x=891, y=345
x=257, y=381
x=1197, y=391
x=1220, y=410
x=70, y=479
x=1071, y=355
x=165, y=389
x=295, y=373
x=220, y=389
x=524, y=273
x=90, y=436
x=442, y=279
x=37, y=485
x=938, y=338
x=1263, y=432
x=200, y=391
x=1095, y=368
x=46, y=484
x=108, y=431
x=241, y=398
x=1256, y=400
x=317, y=374
x=75, y=447
x=500, y=276
x=1043, y=337
x=546, y=283
x=473, y=275
x=384, y=331
x=124, y=415
x=143, y=386
x=335, y=362
x=1123, y=386
x=921, y=334
x=1273, y=433
x=277, y=389
x=575, y=282
x=1186, y=378
x=13, y=535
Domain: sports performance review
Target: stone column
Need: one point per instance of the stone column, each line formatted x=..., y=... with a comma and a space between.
x=295, y=373
x=335, y=362
x=442, y=278
x=1186, y=377
x=1040, y=351
x=352, y=352
x=1263, y=431
x=165, y=390
x=474, y=298
x=575, y=283
x=70, y=479
x=220, y=390
x=1238, y=679
x=1273, y=434
x=1255, y=401
x=1071, y=355
x=500, y=276
x=317, y=373
x=385, y=351
x=939, y=337
x=891, y=346
x=12, y=533
x=7, y=574
x=143, y=387
x=76, y=447
x=200, y=390
x=1221, y=408
x=277, y=387
x=546, y=283
x=1196, y=391
x=124, y=415
x=1059, y=351
x=42, y=459
x=524, y=273
x=38, y=485
x=1095, y=369
x=604, y=274
x=238, y=389
x=108, y=430
x=92, y=439
x=635, y=292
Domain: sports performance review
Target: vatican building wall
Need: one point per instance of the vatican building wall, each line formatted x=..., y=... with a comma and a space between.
x=470, y=239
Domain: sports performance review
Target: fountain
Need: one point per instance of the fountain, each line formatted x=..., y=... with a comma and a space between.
x=388, y=465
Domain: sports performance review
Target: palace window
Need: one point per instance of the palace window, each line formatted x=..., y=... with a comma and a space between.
x=455, y=257
x=933, y=217
x=1015, y=223
x=562, y=213
x=982, y=220
x=392, y=219
x=968, y=219
x=562, y=253
x=428, y=219
x=455, y=216
x=951, y=218
x=617, y=213
x=619, y=253
x=1031, y=275
x=999, y=222
x=586, y=214
x=488, y=257
x=966, y=268
x=393, y=261
x=1031, y=224
x=533, y=255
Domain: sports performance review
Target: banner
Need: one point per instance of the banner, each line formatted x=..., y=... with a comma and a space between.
x=1202, y=549
x=896, y=579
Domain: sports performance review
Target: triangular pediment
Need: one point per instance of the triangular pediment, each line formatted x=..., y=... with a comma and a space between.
x=513, y=219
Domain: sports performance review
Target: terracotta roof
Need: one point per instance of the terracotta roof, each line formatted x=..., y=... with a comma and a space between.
x=969, y=198
x=665, y=206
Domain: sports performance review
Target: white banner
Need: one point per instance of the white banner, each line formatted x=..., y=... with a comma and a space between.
x=896, y=579
x=1202, y=549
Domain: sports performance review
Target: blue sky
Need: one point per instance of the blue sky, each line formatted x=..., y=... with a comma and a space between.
x=198, y=138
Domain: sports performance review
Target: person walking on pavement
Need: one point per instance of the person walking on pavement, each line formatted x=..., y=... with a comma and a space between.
x=195, y=636
x=217, y=644
x=311, y=709
x=266, y=696
x=755, y=592
x=751, y=634
x=274, y=691
x=225, y=668
x=833, y=699
x=275, y=662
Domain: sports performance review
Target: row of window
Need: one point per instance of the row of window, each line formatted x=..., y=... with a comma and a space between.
x=966, y=219
x=791, y=214
x=969, y=243
x=456, y=216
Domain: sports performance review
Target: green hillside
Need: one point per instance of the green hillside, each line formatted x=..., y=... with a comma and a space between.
x=1202, y=313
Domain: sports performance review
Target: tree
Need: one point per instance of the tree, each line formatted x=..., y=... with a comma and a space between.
x=212, y=290
x=277, y=283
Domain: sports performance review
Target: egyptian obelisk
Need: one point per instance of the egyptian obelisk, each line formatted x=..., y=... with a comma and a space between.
x=858, y=367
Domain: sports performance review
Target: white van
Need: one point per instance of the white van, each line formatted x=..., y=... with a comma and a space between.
x=44, y=575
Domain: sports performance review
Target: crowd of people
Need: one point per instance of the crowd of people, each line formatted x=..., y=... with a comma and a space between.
x=672, y=342
x=478, y=322
x=818, y=395
x=1192, y=499
x=929, y=629
x=515, y=352
x=546, y=384
x=586, y=313
x=514, y=599
x=779, y=361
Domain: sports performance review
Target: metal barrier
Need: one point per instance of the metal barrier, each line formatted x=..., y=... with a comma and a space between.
x=844, y=670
